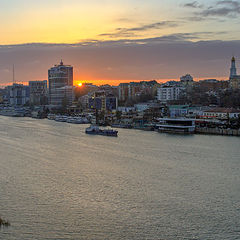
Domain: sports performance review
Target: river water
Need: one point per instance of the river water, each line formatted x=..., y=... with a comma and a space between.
x=56, y=182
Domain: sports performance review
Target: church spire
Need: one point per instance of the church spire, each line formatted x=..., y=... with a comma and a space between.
x=233, y=70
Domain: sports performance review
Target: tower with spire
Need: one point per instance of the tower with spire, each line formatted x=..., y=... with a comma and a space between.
x=234, y=79
x=233, y=70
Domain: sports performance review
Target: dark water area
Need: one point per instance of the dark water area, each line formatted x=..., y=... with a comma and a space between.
x=56, y=183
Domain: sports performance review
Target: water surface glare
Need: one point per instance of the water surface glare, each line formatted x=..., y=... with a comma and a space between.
x=56, y=183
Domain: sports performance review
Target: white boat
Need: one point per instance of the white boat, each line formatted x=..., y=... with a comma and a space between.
x=61, y=118
x=75, y=120
x=176, y=125
x=51, y=116
x=95, y=130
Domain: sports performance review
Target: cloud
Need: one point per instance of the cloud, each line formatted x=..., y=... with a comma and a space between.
x=234, y=4
x=222, y=9
x=163, y=57
x=132, y=32
x=194, y=4
x=176, y=37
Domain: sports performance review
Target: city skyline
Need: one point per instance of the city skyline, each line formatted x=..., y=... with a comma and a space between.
x=112, y=42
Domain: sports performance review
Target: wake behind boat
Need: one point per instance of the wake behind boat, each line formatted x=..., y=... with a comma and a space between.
x=95, y=130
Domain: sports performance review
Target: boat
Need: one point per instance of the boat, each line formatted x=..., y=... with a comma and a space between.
x=95, y=130
x=173, y=125
x=75, y=120
x=51, y=116
x=12, y=112
x=61, y=118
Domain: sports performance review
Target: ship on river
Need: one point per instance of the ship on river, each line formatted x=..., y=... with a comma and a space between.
x=95, y=130
x=176, y=125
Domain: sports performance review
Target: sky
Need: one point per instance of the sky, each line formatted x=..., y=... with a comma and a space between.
x=110, y=41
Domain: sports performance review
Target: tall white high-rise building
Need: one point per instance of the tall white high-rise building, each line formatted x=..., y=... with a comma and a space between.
x=60, y=80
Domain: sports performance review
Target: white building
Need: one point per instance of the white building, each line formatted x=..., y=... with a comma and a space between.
x=221, y=113
x=38, y=92
x=59, y=77
x=18, y=94
x=165, y=93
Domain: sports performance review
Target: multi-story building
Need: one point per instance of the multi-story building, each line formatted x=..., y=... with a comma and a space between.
x=187, y=80
x=133, y=90
x=123, y=92
x=60, y=80
x=103, y=102
x=18, y=94
x=38, y=92
x=165, y=93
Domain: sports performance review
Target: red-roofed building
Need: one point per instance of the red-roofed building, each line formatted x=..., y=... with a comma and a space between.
x=221, y=113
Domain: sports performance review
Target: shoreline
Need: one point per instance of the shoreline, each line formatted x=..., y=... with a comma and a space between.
x=200, y=131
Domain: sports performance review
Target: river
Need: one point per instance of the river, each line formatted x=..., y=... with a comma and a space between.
x=56, y=183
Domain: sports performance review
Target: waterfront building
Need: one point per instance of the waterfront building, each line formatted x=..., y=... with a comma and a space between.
x=38, y=92
x=234, y=78
x=178, y=110
x=221, y=113
x=167, y=93
x=60, y=80
x=18, y=94
x=102, y=101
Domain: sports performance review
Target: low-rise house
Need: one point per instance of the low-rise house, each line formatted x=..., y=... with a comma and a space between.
x=221, y=113
x=126, y=109
x=140, y=107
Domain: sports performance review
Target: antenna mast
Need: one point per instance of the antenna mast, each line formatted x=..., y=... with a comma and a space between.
x=13, y=74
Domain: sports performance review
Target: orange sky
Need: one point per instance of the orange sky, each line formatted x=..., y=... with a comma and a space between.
x=120, y=39
x=112, y=82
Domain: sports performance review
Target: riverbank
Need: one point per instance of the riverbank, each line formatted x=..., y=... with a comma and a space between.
x=218, y=131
